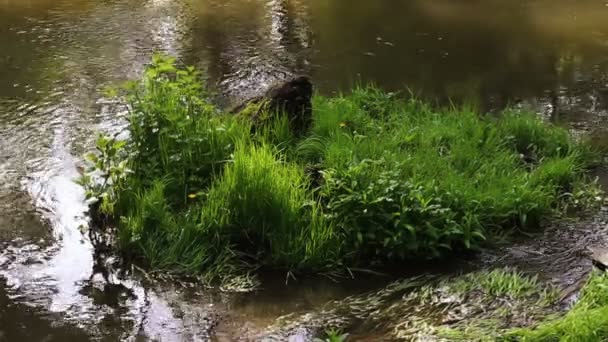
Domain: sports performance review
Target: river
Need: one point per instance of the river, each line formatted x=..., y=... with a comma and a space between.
x=56, y=57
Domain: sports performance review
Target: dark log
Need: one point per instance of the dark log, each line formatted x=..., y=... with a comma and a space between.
x=292, y=98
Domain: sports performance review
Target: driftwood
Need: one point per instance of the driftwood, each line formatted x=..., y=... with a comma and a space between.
x=292, y=98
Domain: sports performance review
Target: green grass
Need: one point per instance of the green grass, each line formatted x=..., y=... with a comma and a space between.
x=333, y=335
x=377, y=179
x=501, y=282
x=478, y=306
x=261, y=204
x=422, y=182
x=509, y=283
x=586, y=321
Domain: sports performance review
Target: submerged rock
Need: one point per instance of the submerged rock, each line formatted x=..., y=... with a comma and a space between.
x=292, y=97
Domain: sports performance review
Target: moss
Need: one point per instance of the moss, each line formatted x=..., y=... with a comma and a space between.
x=253, y=109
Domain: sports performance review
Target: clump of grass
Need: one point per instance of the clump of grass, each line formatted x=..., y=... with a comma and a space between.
x=529, y=136
x=501, y=282
x=263, y=206
x=484, y=331
x=420, y=182
x=377, y=179
x=586, y=321
x=173, y=241
x=507, y=282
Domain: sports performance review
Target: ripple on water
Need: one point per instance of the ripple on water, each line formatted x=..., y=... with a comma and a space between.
x=47, y=259
x=61, y=52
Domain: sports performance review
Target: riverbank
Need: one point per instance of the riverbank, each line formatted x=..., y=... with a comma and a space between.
x=500, y=294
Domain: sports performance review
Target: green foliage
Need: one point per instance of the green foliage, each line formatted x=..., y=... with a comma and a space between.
x=586, y=321
x=333, y=335
x=375, y=102
x=530, y=137
x=262, y=206
x=377, y=179
x=152, y=182
x=107, y=173
x=174, y=133
x=484, y=331
x=508, y=283
x=417, y=182
x=486, y=303
x=503, y=283
x=171, y=240
x=278, y=133
x=383, y=214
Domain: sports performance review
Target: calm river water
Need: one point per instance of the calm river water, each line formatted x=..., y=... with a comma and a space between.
x=56, y=56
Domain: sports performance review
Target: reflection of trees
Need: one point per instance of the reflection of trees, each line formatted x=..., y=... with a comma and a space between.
x=504, y=50
x=68, y=51
x=250, y=45
x=289, y=34
x=75, y=43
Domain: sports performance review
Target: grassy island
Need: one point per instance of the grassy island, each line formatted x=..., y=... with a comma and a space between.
x=376, y=180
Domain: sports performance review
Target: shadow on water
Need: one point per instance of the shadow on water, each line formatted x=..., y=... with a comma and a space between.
x=550, y=56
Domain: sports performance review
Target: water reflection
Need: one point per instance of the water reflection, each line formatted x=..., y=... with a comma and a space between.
x=62, y=57
x=246, y=46
x=551, y=56
x=491, y=50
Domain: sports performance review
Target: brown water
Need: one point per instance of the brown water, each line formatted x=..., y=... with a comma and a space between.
x=56, y=55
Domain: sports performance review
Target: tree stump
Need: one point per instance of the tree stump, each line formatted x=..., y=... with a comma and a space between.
x=292, y=98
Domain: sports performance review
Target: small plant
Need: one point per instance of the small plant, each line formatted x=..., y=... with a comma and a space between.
x=333, y=335
x=376, y=102
x=263, y=206
x=385, y=216
x=106, y=176
x=506, y=282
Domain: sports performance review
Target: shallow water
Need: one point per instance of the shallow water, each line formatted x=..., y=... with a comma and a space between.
x=56, y=56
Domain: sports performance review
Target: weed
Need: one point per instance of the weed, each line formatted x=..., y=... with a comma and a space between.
x=333, y=335
x=504, y=282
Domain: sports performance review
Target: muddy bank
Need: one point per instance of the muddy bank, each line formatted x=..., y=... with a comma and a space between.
x=560, y=255
x=428, y=307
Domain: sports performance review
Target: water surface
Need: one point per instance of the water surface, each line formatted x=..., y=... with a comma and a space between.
x=56, y=56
